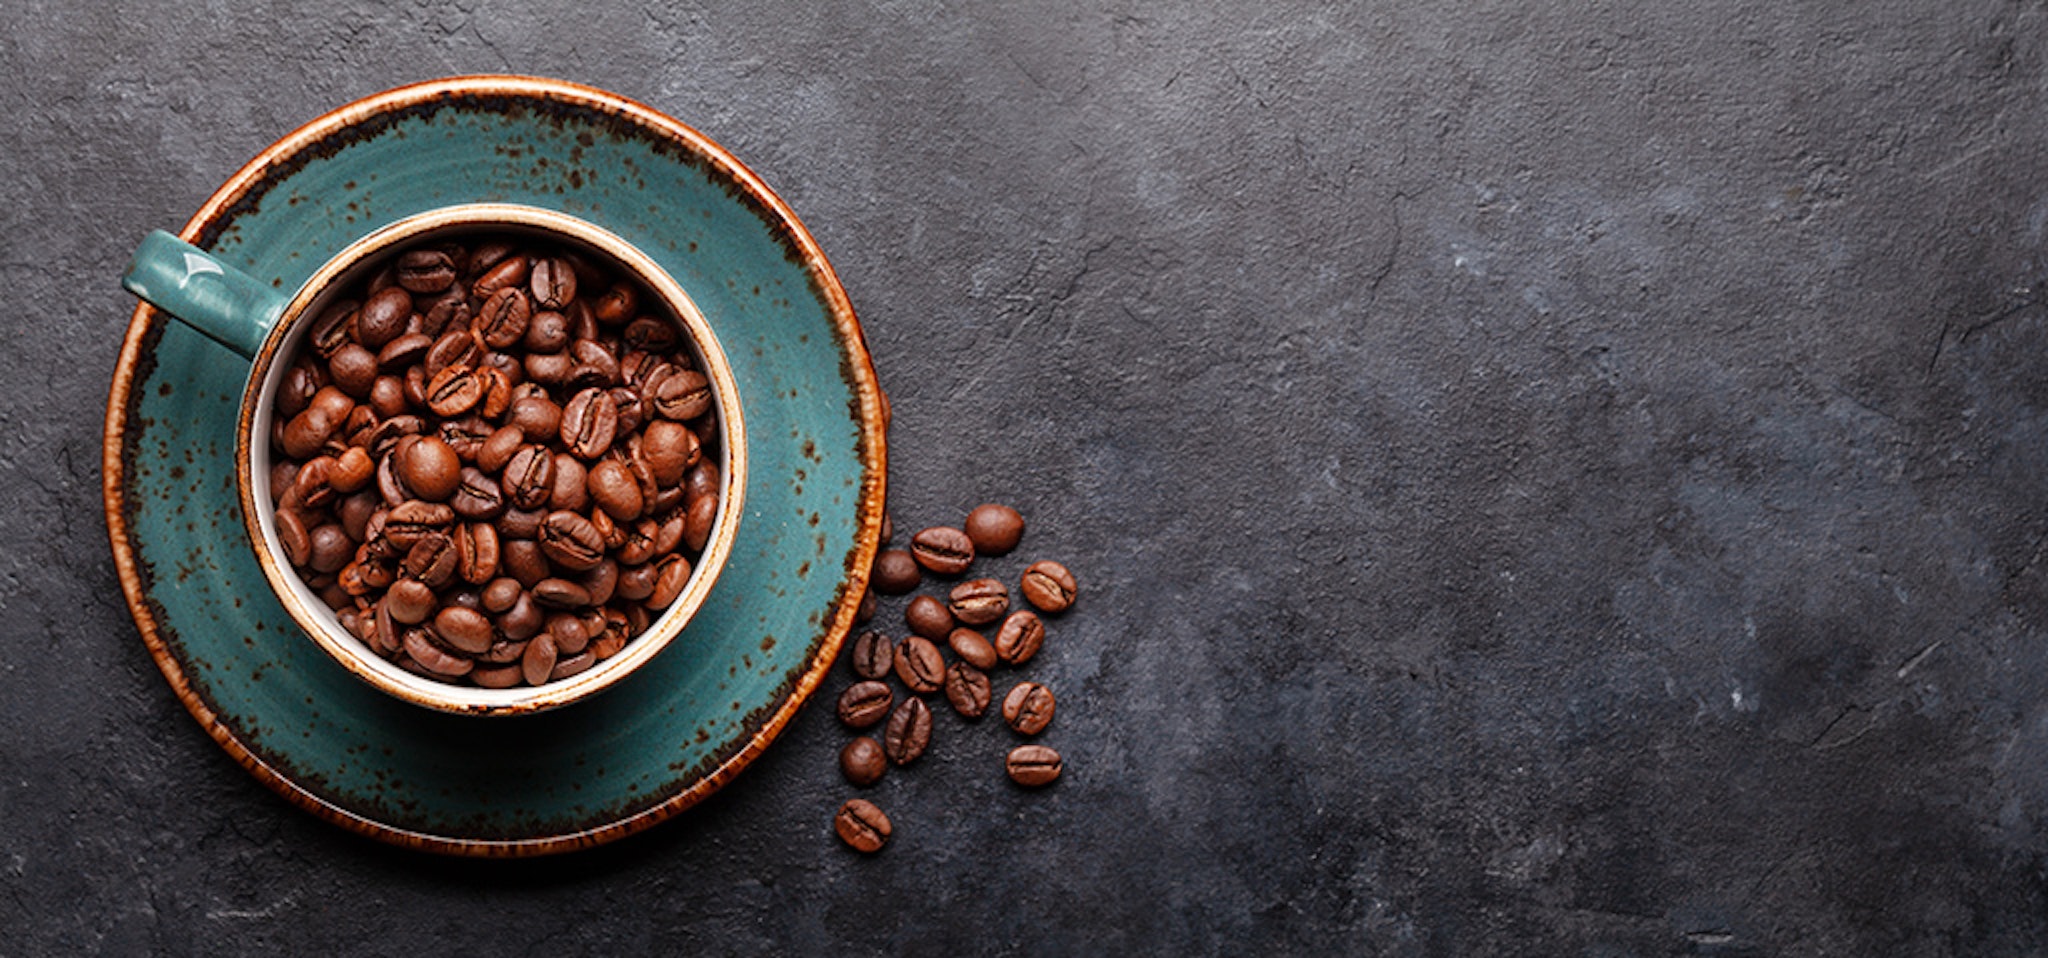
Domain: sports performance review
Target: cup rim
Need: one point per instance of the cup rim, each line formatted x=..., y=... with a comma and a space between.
x=320, y=624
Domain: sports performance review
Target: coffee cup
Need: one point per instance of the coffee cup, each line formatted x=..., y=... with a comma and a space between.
x=268, y=330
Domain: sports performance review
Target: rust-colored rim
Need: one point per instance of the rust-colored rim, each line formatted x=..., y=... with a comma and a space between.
x=873, y=447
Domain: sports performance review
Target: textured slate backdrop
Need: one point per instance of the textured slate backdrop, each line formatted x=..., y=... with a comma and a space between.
x=1548, y=478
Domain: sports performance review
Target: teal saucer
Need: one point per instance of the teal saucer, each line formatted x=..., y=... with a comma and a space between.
x=680, y=726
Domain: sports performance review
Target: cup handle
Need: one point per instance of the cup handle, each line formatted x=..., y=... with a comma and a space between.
x=226, y=304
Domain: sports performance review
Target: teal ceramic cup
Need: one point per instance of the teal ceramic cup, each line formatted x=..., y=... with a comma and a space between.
x=266, y=328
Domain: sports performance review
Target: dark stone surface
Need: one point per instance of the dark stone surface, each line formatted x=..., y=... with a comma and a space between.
x=1544, y=481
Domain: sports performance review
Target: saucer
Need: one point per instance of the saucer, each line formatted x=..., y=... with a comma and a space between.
x=681, y=725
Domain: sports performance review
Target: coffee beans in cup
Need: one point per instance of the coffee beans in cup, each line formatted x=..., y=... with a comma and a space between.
x=495, y=459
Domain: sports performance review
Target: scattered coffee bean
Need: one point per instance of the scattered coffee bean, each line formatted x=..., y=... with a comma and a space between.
x=968, y=689
x=994, y=529
x=865, y=703
x=862, y=761
x=928, y=617
x=979, y=601
x=895, y=572
x=1028, y=708
x=943, y=550
x=1020, y=637
x=1049, y=586
x=872, y=655
x=972, y=648
x=909, y=731
x=1033, y=766
x=862, y=826
x=919, y=665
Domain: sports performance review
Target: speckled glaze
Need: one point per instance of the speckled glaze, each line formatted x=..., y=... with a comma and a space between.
x=678, y=727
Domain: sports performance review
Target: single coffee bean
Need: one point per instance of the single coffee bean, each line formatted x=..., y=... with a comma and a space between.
x=293, y=536
x=636, y=583
x=495, y=676
x=353, y=370
x=639, y=544
x=861, y=826
x=425, y=271
x=331, y=548
x=1033, y=766
x=432, y=560
x=1020, y=637
x=671, y=574
x=617, y=305
x=919, y=664
x=1049, y=586
x=404, y=353
x=409, y=601
x=499, y=594
x=571, y=487
x=895, y=572
x=979, y=601
x=478, y=497
x=865, y=611
x=928, y=617
x=430, y=468
x=524, y=561
x=601, y=582
x=698, y=518
x=596, y=366
x=411, y=520
x=561, y=594
x=613, y=487
x=569, y=665
x=296, y=391
x=331, y=330
x=1028, y=708
x=547, y=332
x=994, y=529
x=463, y=629
x=683, y=396
x=670, y=449
x=476, y=553
x=571, y=635
x=972, y=648
x=872, y=656
x=570, y=541
x=352, y=471
x=498, y=450
x=942, y=550
x=504, y=318
x=909, y=731
x=510, y=271
x=553, y=283
x=454, y=391
x=888, y=527
x=862, y=761
x=865, y=703
x=968, y=689
x=529, y=477
x=456, y=347
x=538, y=661
x=387, y=396
x=430, y=657
x=310, y=429
x=588, y=423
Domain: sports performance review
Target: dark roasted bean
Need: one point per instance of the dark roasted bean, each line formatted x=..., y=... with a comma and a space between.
x=1019, y=637
x=1033, y=766
x=909, y=731
x=919, y=664
x=861, y=826
x=967, y=688
x=865, y=703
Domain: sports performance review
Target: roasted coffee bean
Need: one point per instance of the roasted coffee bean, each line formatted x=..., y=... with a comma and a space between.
x=698, y=518
x=331, y=330
x=353, y=370
x=862, y=761
x=560, y=594
x=500, y=594
x=523, y=620
x=293, y=535
x=529, y=477
x=702, y=480
x=636, y=583
x=1028, y=708
x=456, y=347
x=967, y=688
x=509, y=271
x=476, y=552
x=464, y=630
x=888, y=527
x=413, y=519
x=1049, y=586
x=547, y=332
x=432, y=560
x=503, y=320
x=909, y=731
x=614, y=489
x=942, y=550
x=430, y=468
x=1033, y=766
x=569, y=665
x=454, y=391
x=639, y=544
x=570, y=487
x=671, y=574
x=570, y=541
x=928, y=617
x=496, y=676
x=670, y=449
x=550, y=369
x=865, y=611
x=994, y=529
x=570, y=633
x=310, y=486
x=1019, y=637
x=383, y=317
x=588, y=422
x=872, y=655
x=553, y=283
x=296, y=391
x=972, y=648
x=403, y=354
x=478, y=497
x=352, y=471
x=632, y=412
x=919, y=664
x=387, y=397
x=409, y=601
x=617, y=305
x=601, y=582
x=685, y=395
x=979, y=601
x=895, y=572
x=861, y=826
x=497, y=385
x=430, y=657
x=651, y=334
x=537, y=662
x=425, y=271
x=865, y=703
x=325, y=413
x=330, y=550
x=498, y=450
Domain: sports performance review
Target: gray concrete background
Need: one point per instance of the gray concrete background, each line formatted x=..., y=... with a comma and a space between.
x=1547, y=478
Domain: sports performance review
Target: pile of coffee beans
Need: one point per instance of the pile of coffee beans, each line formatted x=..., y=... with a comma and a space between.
x=918, y=663
x=495, y=460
